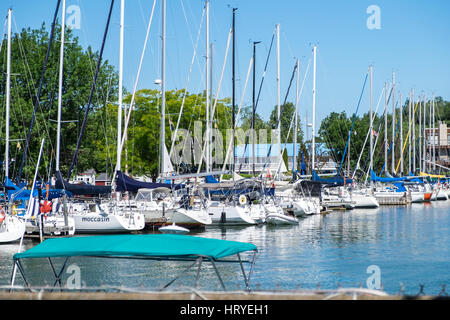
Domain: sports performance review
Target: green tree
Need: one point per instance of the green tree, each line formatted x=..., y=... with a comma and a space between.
x=28, y=49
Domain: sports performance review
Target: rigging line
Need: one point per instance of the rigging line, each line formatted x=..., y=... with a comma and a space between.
x=4, y=32
x=393, y=140
x=196, y=105
x=221, y=75
x=259, y=90
x=230, y=144
x=190, y=32
x=106, y=121
x=380, y=124
x=283, y=106
x=37, y=101
x=406, y=139
x=293, y=117
x=91, y=56
x=367, y=135
x=194, y=55
x=353, y=123
x=27, y=70
x=74, y=159
x=218, y=92
x=124, y=135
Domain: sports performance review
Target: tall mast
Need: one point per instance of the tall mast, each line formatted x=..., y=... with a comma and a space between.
x=414, y=131
x=313, y=130
x=385, y=126
x=208, y=130
x=163, y=89
x=435, y=136
x=253, y=106
x=429, y=139
x=119, y=107
x=410, y=133
x=421, y=167
x=371, y=119
x=278, y=90
x=393, y=125
x=424, y=158
x=8, y=94
x=401, y=132
x=61, y=69
x=233, y=90
x=211, y=117
x=294, y=164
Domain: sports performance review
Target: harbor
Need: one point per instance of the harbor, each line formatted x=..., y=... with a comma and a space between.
x=324, y=253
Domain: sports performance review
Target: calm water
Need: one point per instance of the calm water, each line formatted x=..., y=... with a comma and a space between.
x=410, y=245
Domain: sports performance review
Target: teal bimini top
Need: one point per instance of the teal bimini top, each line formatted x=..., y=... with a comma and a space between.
x=146, y=245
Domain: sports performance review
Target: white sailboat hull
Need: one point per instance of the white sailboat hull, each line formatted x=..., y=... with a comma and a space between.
x=93, y=222
x=55, y=223
x=441, y=194
x=365, y=201
x=11, y=229
x=276, y=216
x=280, y=219
x=189, y=218
x=417, y=196
x=301, y=207
x=230, y=214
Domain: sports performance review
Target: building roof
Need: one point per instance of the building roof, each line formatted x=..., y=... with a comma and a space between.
x=87, y=172
x=102, y=177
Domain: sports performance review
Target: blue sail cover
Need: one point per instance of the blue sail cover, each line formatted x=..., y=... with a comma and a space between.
x=400, y=187
x=336, y=181
x=18, y=193
x=376, y=178
x=125, y=183
x=244, y=186
x=211, y=179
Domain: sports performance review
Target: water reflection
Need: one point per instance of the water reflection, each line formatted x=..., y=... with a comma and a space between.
x=410, y=244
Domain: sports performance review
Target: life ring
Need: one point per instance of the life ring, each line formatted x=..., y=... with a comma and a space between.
x=2, y=214
x=242, y=199
x=45, y=206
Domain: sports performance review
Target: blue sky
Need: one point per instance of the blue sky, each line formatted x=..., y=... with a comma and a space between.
x=413, y=41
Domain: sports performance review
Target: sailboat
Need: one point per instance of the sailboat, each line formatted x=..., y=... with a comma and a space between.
x=275, y=215
x=181, y=208
x=95, y=216
x=11, y=227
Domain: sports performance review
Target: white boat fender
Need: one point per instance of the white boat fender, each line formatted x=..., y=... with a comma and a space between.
x=242, y=199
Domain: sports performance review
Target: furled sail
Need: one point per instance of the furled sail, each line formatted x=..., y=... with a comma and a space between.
x=80, y=189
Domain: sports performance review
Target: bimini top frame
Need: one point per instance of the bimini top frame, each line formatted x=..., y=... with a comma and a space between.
x=149, y=247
